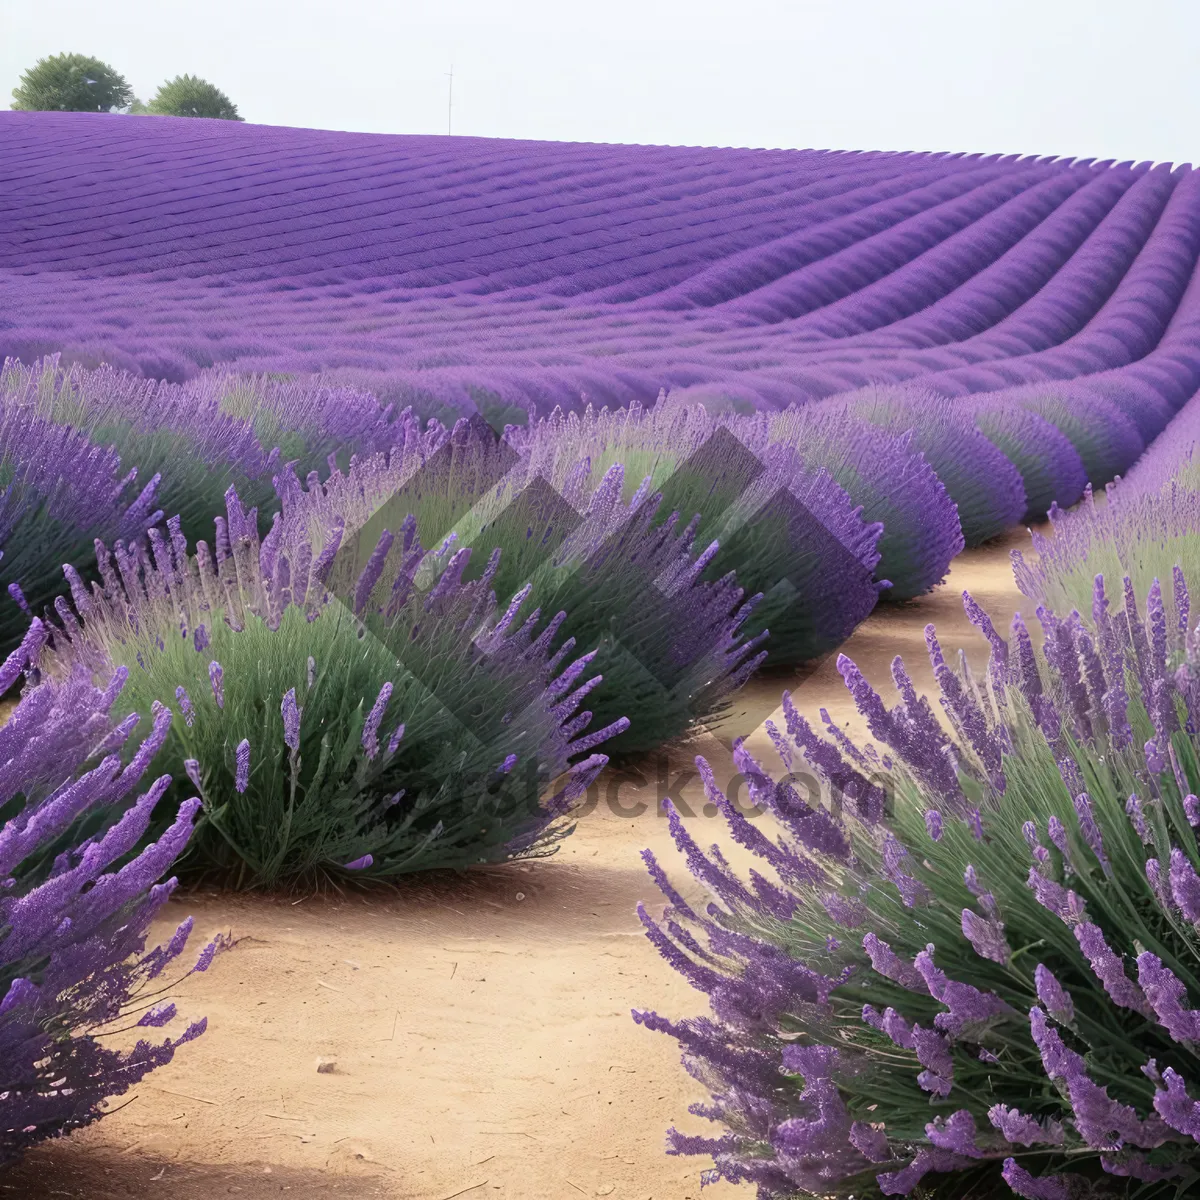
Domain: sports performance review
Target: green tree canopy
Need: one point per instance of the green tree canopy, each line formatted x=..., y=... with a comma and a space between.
x=71, y=83
x=188, y=96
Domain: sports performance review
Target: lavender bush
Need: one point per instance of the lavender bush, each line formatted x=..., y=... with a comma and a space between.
x=788, y=532
x=630, y=580
x=410, y=726
x=197, y=440
x=890, y=478
x=57, y=494
x=1145, y=535
x=974, y=966
x=1052, y=472
x=80, y=888
x=985, y=486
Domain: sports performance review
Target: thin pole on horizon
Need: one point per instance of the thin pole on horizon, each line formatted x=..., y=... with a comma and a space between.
x=449, y=99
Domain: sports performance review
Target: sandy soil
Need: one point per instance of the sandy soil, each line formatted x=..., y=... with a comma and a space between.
x=480, y=1025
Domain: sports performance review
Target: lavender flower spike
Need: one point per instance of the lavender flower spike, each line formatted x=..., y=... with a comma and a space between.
x=1053, y=995
x=242, y=772
x=216, y=677
x=1034, y=1187
x=986, y=936
x=1090, y=830
x=370, y=734
x=291, y=713
x=192, y=768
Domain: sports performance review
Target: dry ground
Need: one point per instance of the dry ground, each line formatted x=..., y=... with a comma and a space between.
x=480, y=1026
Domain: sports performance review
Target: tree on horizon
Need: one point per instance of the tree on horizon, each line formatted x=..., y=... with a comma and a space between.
x=71, y=83
x=190, y=96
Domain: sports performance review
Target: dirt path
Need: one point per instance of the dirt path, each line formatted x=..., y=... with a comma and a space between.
x=480, y=1027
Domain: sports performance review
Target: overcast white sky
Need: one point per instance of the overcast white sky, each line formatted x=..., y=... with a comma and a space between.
x=1087, y=78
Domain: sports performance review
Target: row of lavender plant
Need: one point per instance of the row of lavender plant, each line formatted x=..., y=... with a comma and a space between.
x=975, y=959
x=815, y=509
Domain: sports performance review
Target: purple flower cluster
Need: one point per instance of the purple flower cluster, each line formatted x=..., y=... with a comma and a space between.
x=73, y=923
x=1011, y=945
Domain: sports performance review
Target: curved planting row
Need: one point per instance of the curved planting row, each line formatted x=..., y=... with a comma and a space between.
x=811, y=511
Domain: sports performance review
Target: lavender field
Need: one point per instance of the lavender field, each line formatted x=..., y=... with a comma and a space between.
x=380, y=513
x=458, y=272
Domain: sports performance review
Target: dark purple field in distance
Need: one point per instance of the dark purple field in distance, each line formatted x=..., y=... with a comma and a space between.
x=455, y=272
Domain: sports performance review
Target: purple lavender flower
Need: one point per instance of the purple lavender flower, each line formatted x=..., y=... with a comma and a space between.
x=158, y=1016
x=370, y=733
x=1175, y=1105
x=359, y=864
x=870, y=1141
x=980, y=619
x=847, y=911
x=242, y=773
x=1058, y=835
x=1182, y=602
x=1090, y=830
x=1102, y=1122
x=902, y=1182
x=966, y=1007
x=956, y=1133
x=82, y=926
x=1027, y=671
x=216, y=676
x=931, y=1048
x=889, y=964
x=185, y=706
x=1054, y=996
x=895, y=854
x=1133, y=810
x=1024, y=1130
x=192, y=768
x=986, y=936
x=1166, y=994
x=1109, y=969
x=1034, y=1187
x=1155, y=762
x=933, y=824
x=200, y=639
x=291, y=713
x=1065, y=904
x=1185, y=885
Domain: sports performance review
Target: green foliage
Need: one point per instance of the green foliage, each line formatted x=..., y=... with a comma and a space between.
x=71, y=83
x=190, y=96
x=328, y=804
